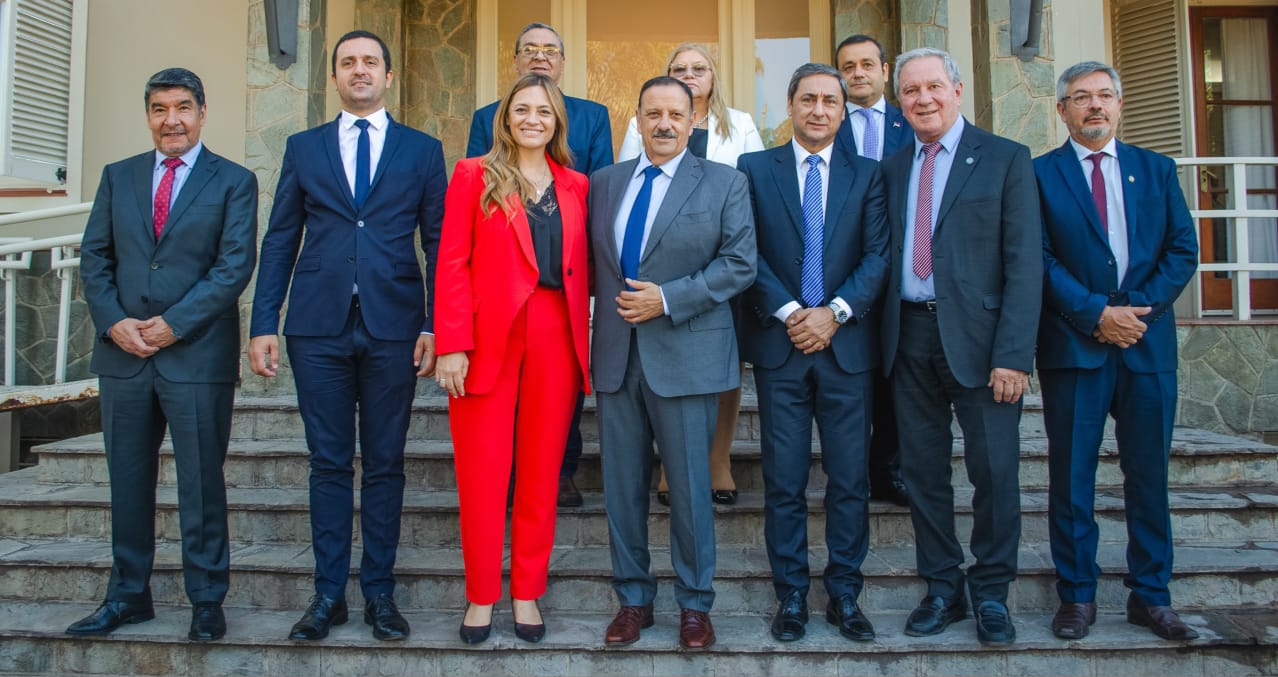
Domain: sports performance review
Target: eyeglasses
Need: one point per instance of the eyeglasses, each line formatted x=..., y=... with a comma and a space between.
x=1084, y=99
x=681, y=69
x=533, y=51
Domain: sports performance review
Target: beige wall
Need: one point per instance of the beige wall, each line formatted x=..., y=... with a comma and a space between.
x=129, y=40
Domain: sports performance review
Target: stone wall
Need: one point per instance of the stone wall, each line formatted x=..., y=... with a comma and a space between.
x=924, y=23
x=1013, y=98
x=875, y=18
x=1228, y=377
x=439, y=71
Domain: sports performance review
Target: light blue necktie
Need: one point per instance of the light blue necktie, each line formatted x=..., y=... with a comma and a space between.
x=869, y=140
x=812, y=285
x=632, y=241
x=363, y=164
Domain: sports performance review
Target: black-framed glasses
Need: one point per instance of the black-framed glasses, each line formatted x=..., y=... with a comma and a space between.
x=533, y=51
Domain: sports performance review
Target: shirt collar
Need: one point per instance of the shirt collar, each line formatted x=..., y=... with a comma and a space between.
x=949, y=140
x=880, y=106
x=1110, y=149
x=669, y=168
x=801, y=154
x=377, y=119
x=188, y=158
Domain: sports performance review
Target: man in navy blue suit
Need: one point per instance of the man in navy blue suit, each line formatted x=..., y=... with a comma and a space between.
x=352, y=193
x=875, y=129
x=1118, y=247
x=539, y=49
x=811, y=332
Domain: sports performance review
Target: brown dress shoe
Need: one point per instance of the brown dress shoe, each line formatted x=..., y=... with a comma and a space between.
x=695, y=630
x=1073, y=619
x=1163, y=620
x=624, y=628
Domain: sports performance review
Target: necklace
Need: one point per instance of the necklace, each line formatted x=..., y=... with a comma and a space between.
x=541, y=183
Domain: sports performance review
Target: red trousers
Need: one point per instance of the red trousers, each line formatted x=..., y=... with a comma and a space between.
x=525, y=414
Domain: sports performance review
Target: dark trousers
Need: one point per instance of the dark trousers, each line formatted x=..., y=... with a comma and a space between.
x=790, y=396
x=135, y=413
x=926, y=393
x=1076, y=403
x=335, y=375
x=885, y=462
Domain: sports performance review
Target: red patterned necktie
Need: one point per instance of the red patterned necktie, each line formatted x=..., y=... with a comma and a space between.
x=1098, y=188
x=923, y=213
x=164, y=194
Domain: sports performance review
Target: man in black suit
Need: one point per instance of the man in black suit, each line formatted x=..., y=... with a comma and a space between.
x=168, y=248
x=960, y=317
x=810, y=331
x=353, y=196
x=875, y=129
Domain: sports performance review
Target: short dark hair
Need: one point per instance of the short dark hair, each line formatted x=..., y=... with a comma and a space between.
x=856, y=40
x=665, y=81
x=174, y=78
x=535, y=25
x=810, y=69
x=354, y=35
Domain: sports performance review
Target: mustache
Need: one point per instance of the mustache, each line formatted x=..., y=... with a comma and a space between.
x=664, y=134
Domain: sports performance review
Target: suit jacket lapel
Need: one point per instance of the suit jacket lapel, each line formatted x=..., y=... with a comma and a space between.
x=389, y=146
x=141, y=176
x=841, y=176
x=1067, y=164
x=685, y=180
x=200, y=174
x=966, y=158
x=786, y=176
x=845, y=133
x=568, y=214
x=893, y=131
x=1132, y=187
x=334, y=153
x=523, y=231
x=612, y=195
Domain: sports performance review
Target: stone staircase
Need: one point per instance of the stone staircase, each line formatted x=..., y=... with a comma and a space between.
x=55, y=558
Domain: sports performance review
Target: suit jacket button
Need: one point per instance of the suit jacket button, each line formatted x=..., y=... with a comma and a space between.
x=1110, y=262
x=570, y=271
x=798, y=260
x=155, y=266
x=350, y=259
x=360, y=224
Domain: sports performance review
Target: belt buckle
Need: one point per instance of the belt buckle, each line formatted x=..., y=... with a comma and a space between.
x=930, y=305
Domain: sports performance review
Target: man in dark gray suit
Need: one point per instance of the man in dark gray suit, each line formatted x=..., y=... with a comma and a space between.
x=169, y=246
x=673, y=240
x=960, y=317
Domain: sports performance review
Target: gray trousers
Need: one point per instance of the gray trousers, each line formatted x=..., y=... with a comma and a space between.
x=630, y=420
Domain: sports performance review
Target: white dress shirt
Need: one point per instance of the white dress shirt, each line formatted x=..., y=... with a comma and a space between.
x=857, y=120
x=823, y=167
x=180, y=173
x=1115, y=215
x=348, y=140
x=660, y=185
x=912, y=288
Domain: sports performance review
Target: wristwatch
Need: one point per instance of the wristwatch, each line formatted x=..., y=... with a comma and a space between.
x=840, y=315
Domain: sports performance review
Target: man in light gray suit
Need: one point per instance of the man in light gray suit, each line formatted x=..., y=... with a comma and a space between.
x=673, y=240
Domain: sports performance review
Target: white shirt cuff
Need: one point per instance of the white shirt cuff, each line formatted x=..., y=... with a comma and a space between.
x=784, y=313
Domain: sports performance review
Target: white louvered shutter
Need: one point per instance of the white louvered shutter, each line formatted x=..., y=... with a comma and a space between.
x=35, y=69
x=1148, y=38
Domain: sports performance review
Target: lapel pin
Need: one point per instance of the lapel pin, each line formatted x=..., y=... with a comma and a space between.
x=969, y=160
x=896, y=125
x=1131, y=179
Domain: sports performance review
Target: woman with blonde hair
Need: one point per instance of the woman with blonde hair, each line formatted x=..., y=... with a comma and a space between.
x=719, y=134
x=512, y=316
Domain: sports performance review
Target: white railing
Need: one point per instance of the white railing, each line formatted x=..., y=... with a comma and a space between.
x=15, y=256
x=1239, y=217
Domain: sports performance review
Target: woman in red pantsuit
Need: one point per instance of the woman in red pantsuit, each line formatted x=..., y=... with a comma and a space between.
x=512, y=316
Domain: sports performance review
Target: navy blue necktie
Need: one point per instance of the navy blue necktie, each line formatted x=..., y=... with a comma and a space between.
x=811, y=283
x=363, y=164
x=632, y=242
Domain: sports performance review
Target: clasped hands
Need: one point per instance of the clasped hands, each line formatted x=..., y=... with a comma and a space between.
x=142, y=338
x=1121, y=325
x=642, y=304
x=811, y=329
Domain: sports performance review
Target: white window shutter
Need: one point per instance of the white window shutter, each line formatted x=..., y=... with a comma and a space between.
x=1149, y=36
x=36, y=73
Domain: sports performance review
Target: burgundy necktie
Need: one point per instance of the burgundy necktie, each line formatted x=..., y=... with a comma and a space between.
x=923, y=213
x=164, y=194
x=1098, y=188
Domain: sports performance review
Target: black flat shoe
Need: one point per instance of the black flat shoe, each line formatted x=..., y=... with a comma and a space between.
x=934, y=614
x=724, y=496
x=474, y=634
x=994, y=624
x=323, y=613
x=208, y=623
x=663, y=497
x=111, y=615
x=530, y=632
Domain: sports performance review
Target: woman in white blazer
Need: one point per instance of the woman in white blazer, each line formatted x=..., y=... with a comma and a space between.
x=719, y=134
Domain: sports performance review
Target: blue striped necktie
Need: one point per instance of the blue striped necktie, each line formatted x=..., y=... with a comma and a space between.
x=812, y=284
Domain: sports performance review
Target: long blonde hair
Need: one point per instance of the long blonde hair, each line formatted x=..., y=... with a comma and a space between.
x=714, y=99
x=502, y=177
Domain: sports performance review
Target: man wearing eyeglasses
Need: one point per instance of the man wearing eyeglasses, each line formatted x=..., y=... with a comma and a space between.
x=539, y=49
x=1119, y=246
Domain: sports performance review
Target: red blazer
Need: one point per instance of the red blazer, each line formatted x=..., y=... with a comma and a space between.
x=487, y=270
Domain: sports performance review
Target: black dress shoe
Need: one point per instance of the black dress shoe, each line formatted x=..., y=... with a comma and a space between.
x=994, y=624
x=323, y=613
x=111, y=615
x=791, y=620
x=724, y=496
x=208, y=623
x=1163, y=620
x=531, y=632
x=934, y=614
x=474, y=634
x=381, y=613
x=663, y=497
x=569, y=496
x=844, y=613
x=891, y=491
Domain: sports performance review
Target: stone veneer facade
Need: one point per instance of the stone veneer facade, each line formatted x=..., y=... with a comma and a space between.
x=1228, y=377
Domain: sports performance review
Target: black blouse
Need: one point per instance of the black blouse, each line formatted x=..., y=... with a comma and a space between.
x=547, y=226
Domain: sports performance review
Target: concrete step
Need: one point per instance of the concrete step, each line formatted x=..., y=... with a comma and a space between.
x=31, y=641
x=1198, y=459
x=430, y=517
x=279, y=576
